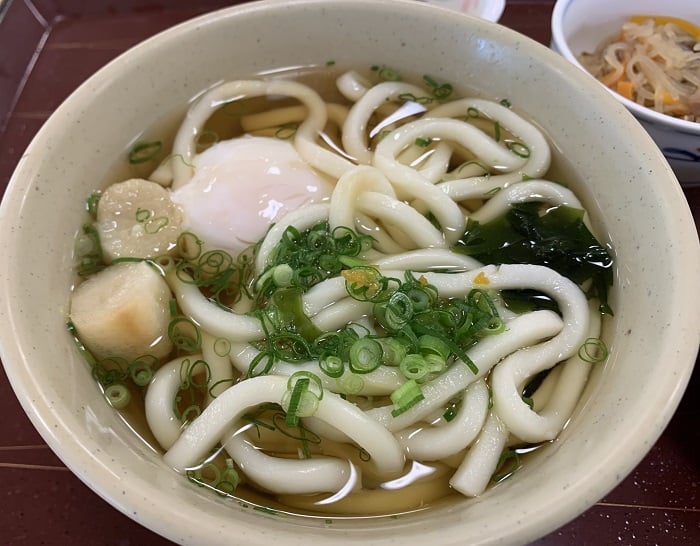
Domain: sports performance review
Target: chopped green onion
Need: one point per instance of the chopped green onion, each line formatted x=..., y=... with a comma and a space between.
x=82, y=349
x=118, y=395
x=144, y=151
x=229, y=479
x=423, y=142
x=331, y=365
x=142, y=215
x=300, y=400
x=394, y=351
x=141, y=371
x=395, y=313
x=365, y=355
x=431, y=344
x=287, y=131
x=154, y=225
x=222, y=346
x=185, y=334
x=507, y=465
x=473, y=112
x=593, y=350
x=91, y=203
x=89, y=251
x=189, y=246
x=405, y=397
x=351, y=383
x=518, y=148
x=450, y=414
x=206, y=140
x=389, y=74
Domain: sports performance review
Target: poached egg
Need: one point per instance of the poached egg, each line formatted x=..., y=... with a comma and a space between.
x=243, y=185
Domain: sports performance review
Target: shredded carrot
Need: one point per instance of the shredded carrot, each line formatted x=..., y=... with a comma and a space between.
x=687, y=26
x=482, y=279
x=626, y=89
x=668, y=99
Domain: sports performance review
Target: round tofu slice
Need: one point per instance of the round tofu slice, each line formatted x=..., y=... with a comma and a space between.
x=136, y=218
x=123, y=311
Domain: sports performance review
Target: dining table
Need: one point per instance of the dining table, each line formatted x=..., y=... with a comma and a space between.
x=47, y=49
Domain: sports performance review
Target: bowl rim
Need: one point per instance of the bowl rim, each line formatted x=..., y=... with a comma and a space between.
x=649, y=115
x=44, y=420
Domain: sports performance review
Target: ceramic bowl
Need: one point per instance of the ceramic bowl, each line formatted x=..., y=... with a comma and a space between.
x=580, y=25
x=636, y=204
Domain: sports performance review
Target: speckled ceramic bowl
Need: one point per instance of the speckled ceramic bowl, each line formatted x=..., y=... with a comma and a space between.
x=580, y=25
x=636, y=202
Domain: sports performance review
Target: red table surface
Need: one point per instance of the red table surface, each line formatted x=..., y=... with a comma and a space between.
x=49, y=47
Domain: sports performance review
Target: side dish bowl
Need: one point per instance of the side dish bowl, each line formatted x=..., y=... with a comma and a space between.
x=635, y=200
x=579, y=26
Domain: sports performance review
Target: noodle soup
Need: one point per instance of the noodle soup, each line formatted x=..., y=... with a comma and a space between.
x=343, y=292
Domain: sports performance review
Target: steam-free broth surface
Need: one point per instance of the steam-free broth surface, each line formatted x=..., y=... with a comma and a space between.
x=360, y=358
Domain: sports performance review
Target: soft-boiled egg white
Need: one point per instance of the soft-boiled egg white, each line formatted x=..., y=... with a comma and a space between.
x=241, y=186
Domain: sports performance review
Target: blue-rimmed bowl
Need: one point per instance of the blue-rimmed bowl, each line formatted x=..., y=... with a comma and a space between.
x=580, y=25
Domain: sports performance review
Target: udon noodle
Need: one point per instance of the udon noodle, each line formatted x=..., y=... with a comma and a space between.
x=369, y=341
x=653, y=61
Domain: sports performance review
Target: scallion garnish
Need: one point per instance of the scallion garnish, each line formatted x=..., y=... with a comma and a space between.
x=184, y=334
x=405, y=397
x=365, y=355
x=518, y=148
x=593, y=350
x=301, y=399
x=508, y=464
x=118, y=395
x=144, y=151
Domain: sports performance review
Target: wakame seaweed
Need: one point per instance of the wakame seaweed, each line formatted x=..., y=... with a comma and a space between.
x=556, y=238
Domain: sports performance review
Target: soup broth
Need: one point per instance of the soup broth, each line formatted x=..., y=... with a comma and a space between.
x=437, y=269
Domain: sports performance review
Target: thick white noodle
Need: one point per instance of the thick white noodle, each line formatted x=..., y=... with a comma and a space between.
x=473, y=475
x=522, y=331
x=380, y=382
x=513, y=373
x=352, y=86
x=541, y=191
x=429, y=259
x=289, y=114
x=217, y=419
x=220, y=370
x=483, y=186
x=323, y=294
x=367, y=190
x=432, y=443
x=410, y=184
x=403, y=218
x=305, y=139
x=208, y=315
x=288, y=476
x=341, y=313
x=160, y=400
x=383, y=241
x=356, y=123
